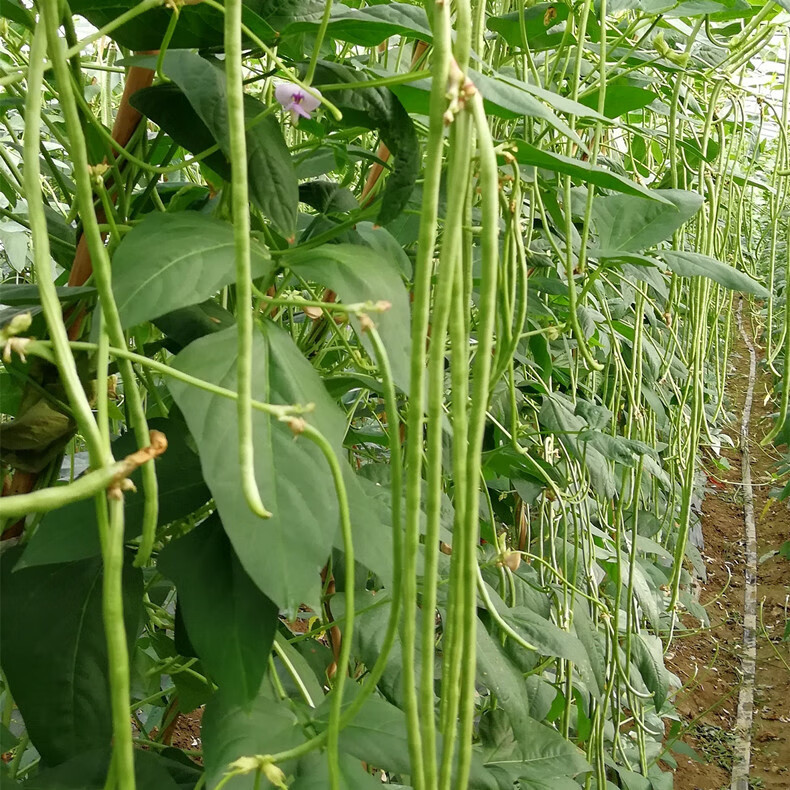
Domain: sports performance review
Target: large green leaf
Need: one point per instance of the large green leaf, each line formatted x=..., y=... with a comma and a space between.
x=647, y=654
x=692, y=8
x=20, y=295
x=168, y=107
x=369, y=26
x=71, y=533
x=198, y=25
x=272, y=178
x=527, y=154
x=540, y=23
x=183, y=326
x=504, y=97
x=544, y=754
x=378, y=109
x=357, y=276
x=284, y=554
x=503, y=678
x=620, y=99
x=312, y=773
x=593, y=640
x=89, y=770
x=645, y=6
x=378, y=736
x=694, y=264
x=631, y=224
x=230, y=622
x=232, y=731
x=551, y=640
x=170, y=261
x=54, y=650
x=14, y=11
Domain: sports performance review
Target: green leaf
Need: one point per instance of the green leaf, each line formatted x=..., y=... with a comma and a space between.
x=504, y=97
x=555, y=100
x=357, y=276
x=7, y=739
x=169, y=108
x=71, y=533
x=527, y=154
x=230, y=622
x=385, y=244
x=198, y=27
x=544, y=754
x=55, y=650
x=693, y=8
x=380, y=110
x=272, y=178
x=538, y=23
x=551, y=640
x=89, y=770
x=283, y=554
x=593, y=640
x=326, y=197
x=648, y=655
x=308, y=678
x=632, y=224
x=183, y=326
x=502, y=677
x=516, y=100
x=16, y=295
x=507, y=462
x=312, y=773
x=170, y=261
x=377, y=735
x=191, y=691
x=643, y=592
x=620, y=99
x=693, y=264
x=645, y=6
x=616, y=448
x=6, y=187
x=231, y=731
x=16, y=12
x=368, y=27
x=496, y=735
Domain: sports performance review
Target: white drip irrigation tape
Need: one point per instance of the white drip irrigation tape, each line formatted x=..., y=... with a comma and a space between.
x=743, y=725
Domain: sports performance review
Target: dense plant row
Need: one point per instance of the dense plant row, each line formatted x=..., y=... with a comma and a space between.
x=357, y=362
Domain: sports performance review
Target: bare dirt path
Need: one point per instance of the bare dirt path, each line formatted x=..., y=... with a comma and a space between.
x=709, y=662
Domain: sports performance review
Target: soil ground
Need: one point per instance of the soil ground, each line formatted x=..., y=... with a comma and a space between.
x=708, y=662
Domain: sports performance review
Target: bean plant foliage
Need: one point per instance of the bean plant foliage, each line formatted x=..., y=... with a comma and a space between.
x=356, y=362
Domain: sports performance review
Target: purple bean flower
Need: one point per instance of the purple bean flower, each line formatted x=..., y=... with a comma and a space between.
x=296, y=100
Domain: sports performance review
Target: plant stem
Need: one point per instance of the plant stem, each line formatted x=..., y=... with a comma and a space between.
x=241, y=236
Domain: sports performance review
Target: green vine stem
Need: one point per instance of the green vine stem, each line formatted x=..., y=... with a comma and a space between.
x=88, y=485
x=439, y=12
x=67, y=368
x=319, y=39
x=241, y=235
x=448, y=273
x=101, y=272
x=489, y=189
x=299, y=426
